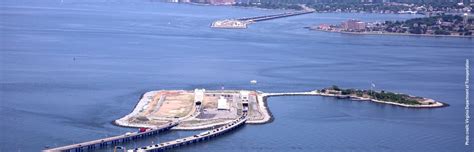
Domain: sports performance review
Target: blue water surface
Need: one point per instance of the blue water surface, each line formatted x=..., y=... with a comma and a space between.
x=68, y=69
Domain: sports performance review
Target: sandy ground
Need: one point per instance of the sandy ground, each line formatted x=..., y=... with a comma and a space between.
x=209, y=102
x=176, y=105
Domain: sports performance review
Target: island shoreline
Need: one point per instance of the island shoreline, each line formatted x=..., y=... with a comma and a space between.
x=113, y=122
x=265, y=110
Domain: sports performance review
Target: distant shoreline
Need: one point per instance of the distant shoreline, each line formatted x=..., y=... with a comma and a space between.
x=391, y=34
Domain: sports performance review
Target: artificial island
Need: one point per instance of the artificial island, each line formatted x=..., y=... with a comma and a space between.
x=220, y=111
x=242, y=23
x=201, y=109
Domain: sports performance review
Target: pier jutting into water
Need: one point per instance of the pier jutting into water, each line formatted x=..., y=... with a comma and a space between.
x=244, y=21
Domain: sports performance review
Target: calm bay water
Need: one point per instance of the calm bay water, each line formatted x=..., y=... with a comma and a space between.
x=68, y=69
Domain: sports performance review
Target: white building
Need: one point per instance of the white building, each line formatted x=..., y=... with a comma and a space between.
x=199, y=96
x=222, y=104
x=244, y=96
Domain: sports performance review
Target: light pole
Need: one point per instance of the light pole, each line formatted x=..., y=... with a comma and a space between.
x=465, y=19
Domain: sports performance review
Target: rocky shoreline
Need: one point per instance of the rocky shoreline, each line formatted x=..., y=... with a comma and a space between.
x=142, y=102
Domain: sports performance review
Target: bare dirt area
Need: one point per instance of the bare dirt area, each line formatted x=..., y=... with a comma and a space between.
x=210, y=102
x=175, y=105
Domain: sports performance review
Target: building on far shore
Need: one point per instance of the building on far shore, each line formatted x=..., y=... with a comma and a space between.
x=221, y=2
x=353, y=25
x=247, y=1
x=324, y=27
x=212, y=2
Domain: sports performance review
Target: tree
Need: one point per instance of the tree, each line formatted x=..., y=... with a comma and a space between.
x=335, y=87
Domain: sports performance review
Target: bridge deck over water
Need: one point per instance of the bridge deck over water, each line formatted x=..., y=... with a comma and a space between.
x=104, y=142
x=274, y=16
x=240, y=23
x=195, y=138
